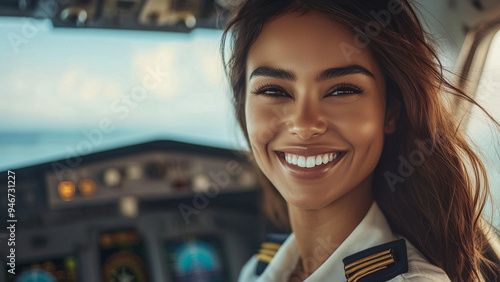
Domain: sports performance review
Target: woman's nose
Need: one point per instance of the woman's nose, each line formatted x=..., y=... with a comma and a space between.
x=306, y=121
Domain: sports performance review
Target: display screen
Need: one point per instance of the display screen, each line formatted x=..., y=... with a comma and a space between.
x=123, y=257
x=196, y=259
x=51, y=270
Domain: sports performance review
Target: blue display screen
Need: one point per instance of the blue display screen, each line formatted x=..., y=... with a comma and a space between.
x=196, y=259
x=51, y=270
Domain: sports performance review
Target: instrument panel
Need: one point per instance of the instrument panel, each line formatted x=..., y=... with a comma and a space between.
x=158, y=211
x=146, y=175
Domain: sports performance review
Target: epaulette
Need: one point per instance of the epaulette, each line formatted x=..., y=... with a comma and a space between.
x=268, y=249
x=380, y=263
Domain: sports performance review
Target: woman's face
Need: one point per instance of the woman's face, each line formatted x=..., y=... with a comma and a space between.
x=314, y=109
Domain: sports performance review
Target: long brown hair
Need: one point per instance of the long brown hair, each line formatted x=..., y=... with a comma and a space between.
x=430, y=184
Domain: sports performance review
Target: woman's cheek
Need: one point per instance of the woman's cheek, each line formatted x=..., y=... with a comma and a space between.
x=262, y=124
x=364, y=131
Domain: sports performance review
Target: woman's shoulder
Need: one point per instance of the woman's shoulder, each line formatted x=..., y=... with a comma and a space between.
x=419, y=268
x=414, y=267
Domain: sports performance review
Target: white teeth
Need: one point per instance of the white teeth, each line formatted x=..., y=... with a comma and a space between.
x=301, y=161
x=326, y=158
x=310, y=161
x=319, y=160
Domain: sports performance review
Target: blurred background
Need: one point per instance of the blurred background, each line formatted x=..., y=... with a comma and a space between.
x=59, y=83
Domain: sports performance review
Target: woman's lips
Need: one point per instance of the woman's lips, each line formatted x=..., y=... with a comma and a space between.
x=308, y=173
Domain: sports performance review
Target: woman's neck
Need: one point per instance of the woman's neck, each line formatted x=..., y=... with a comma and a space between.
x=319, y=232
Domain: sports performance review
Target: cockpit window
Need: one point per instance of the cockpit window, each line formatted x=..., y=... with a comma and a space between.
x=479, y=128
x=75, y=91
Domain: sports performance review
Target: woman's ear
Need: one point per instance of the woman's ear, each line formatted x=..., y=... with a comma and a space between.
x=391, y=116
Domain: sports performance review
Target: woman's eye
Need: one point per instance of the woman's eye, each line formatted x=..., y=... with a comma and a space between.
x=345, y=91
x=339, y=90
x=271, y=92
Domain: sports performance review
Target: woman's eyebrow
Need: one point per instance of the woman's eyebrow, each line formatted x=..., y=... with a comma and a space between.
x=280, y=73
x=274, y=73
x=342, y=71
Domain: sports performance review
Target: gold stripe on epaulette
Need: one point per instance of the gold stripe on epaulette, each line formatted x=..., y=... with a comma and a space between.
x=264, y=258
x=267, y=252
x=269, y=245
x=356, y=279
x=370, y=262
x=367, y=258
x=368, y=265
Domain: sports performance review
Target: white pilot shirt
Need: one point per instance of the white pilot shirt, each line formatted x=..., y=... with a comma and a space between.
x=373, y=230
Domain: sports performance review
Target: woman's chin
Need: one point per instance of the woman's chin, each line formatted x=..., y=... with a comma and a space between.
x=308, y=202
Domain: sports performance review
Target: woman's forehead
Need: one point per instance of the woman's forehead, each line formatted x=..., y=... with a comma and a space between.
x=307, y=43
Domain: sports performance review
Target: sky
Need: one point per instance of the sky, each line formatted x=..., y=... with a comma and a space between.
x=59, y=85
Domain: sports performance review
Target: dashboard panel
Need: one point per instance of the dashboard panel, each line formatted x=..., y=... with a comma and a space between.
x=158, y=211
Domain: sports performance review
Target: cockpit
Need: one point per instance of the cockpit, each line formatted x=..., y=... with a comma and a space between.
x=120, y=154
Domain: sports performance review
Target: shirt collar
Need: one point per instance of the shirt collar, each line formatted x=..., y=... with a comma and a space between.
x=373, y=230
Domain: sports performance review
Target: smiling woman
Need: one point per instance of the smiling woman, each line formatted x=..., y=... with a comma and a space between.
x=324, y=112
x=332, y=96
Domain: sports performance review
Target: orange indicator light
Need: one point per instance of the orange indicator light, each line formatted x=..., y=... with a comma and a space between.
x=66, y=190
x=87, y=187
